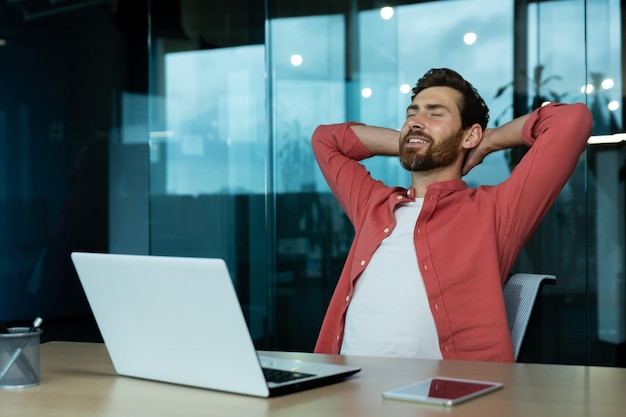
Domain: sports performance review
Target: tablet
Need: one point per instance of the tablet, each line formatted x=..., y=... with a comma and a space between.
x=443, y=391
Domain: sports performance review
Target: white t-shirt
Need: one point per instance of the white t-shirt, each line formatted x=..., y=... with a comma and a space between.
x=389, y=313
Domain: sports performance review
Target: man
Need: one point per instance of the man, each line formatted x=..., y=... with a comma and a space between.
x=424, y=275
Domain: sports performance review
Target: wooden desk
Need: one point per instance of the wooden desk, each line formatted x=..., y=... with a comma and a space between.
x=78, y=380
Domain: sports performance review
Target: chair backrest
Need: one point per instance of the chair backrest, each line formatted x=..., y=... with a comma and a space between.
x=520, y=293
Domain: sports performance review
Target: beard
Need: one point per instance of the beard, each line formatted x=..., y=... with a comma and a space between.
x=437, y=155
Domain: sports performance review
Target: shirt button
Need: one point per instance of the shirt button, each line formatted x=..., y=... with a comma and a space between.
x=436, y=306
x=408, y=192
x=425, y=267
x=419, y=230
x=347, y=299
x=337, y=337
x=363, y=262
x=399, y=197
x=386, y=230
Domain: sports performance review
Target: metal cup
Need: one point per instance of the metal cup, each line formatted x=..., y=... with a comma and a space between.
x=19, y=358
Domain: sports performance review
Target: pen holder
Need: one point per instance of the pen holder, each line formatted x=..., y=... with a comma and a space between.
x=19, y=358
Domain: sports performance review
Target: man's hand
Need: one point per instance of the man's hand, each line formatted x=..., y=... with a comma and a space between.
x=476, y=155
x=509, y=135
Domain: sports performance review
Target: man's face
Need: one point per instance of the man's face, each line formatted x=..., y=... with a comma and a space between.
x=431, y=135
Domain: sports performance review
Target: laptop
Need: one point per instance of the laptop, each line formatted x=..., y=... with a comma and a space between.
x=178, y=320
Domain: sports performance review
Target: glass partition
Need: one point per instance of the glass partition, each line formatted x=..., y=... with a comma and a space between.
x=606, y=179
x=209, y=165
x=62, y=69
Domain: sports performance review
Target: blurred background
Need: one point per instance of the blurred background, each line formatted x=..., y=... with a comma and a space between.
x=182, y=127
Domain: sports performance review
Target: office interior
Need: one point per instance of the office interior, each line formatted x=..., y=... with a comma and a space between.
x=182, y=128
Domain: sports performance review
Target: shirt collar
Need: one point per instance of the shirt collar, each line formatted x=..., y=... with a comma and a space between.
x=450, y=185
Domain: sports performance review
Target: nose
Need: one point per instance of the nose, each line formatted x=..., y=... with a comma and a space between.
x=415, y=122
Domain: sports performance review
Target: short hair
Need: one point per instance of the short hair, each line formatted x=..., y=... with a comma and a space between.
x=472, y=107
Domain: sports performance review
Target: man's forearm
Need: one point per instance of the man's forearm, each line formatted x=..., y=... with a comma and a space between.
x=509, y=135
x=378, y=140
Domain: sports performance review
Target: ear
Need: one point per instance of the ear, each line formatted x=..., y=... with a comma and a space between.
x=473, y=136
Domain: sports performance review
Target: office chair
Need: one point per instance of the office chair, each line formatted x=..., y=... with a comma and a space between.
x=520, y=293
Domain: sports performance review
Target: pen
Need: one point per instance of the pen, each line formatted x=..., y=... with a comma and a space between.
x=19, y=350
x=35, y=325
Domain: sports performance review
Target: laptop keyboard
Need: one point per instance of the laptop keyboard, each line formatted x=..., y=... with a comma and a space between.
x=278, y=375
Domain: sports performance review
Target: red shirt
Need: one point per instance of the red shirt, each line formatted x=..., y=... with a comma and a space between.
x=466, y=239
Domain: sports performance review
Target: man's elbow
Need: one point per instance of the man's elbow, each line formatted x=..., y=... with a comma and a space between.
x=583, y=117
